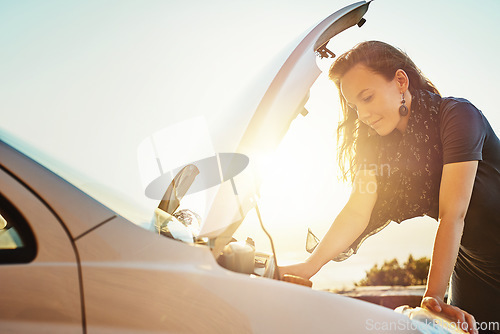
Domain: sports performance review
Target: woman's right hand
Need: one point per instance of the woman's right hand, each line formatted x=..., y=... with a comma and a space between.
x=302, y=269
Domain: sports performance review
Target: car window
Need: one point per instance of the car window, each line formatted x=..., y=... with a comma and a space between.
x=17, y=243
x=9, y=238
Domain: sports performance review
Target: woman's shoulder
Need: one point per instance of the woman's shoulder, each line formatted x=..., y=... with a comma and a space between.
x=463, y=129
x=451, y=105
x=459, y=112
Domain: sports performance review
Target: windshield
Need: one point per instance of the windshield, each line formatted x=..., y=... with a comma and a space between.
x=124, y=205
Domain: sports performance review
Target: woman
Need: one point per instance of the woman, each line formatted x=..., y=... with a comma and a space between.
x=409, y=152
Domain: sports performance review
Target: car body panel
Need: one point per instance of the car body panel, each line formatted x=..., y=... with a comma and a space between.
x=147, y=283
x=46, y=291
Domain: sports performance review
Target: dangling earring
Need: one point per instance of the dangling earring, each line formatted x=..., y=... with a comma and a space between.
x=403, y=109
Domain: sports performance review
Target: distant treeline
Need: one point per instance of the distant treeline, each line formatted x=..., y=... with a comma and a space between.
x=412, y=272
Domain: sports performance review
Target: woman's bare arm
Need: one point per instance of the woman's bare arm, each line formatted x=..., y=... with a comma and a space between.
x=346, y=228
x=454, y=197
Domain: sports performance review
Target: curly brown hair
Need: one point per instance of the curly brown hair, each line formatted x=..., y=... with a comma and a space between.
x=383, y=59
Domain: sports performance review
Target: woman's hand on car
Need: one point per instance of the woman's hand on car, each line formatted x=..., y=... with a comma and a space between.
x=465, y=321
x=302, y=269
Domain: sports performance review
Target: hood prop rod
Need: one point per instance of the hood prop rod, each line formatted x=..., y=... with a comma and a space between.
x=276, y=269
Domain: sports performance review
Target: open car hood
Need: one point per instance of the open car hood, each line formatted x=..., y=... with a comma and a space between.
x=241, y=137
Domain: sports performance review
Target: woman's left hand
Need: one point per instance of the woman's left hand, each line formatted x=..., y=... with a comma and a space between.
x=456, y=314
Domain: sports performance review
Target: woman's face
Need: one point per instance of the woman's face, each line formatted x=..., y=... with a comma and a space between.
x=376, y=100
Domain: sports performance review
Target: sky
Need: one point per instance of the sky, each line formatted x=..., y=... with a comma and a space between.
x=89, y=81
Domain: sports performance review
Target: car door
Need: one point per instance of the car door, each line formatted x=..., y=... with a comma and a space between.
x=39, y=276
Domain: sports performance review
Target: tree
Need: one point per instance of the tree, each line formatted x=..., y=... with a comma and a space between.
x=413, y=272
